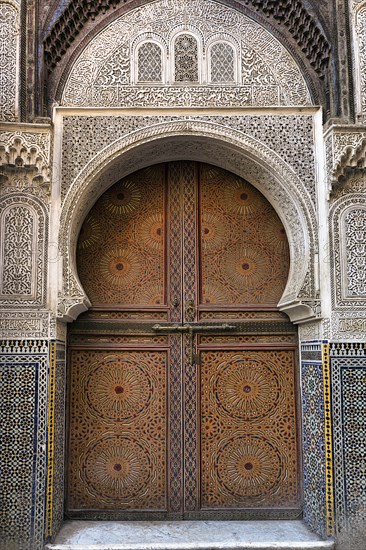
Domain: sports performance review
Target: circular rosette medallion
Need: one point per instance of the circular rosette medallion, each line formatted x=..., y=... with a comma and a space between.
x=247, y=388
x=213, y=294
x=90, y=233
x=242, y=198
x=117, y=467
x=249, y=466
x=212, y=231
x=122, y=198
x=275, y=234
x=247, y=268
x=119, y=267
x=152, y=232
x=118, y=389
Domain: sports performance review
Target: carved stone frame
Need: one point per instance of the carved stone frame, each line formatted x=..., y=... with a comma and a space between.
x=204, y=141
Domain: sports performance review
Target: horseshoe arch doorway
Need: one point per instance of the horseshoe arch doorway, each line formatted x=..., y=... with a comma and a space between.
x=182, y=375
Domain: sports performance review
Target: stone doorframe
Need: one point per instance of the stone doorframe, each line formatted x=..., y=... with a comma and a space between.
x=215, y=144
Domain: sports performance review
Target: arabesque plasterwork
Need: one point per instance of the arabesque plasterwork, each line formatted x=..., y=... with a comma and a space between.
x=348, y=258
x=348, y=231
x=9, y=44
x=23, y=258
x=209, y=141
x=359, y=29
x=103, y=73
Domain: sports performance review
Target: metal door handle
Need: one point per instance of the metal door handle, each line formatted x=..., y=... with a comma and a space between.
x=192, y=329
x=188, y=327
x=170, y=328
x=209, y=328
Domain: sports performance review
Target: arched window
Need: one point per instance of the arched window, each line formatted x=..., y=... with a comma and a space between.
x=222, y=60
x=186, y=58
x=149, y=62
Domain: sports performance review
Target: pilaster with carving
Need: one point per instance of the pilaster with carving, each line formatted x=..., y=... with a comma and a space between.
x=24, y=218
x=26, y=328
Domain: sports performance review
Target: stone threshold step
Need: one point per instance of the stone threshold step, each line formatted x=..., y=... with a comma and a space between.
x=316, y=545
x=187, y=535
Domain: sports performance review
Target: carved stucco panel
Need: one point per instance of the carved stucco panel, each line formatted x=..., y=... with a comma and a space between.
x=9, y=37
x=359, y=21
x=289, y=136
x=25, y=162
x=354, y=239
x=23, y=250
x=24, y=324
x=344, y=148
x=209, y=142
x=102, y=72
x=348, y=233
x=349, y=325
x=18, y=253
x=13, y=142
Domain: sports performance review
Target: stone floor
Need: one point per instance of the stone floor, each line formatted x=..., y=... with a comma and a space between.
x=186, y=535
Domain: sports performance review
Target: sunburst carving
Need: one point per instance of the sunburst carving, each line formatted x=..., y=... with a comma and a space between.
x=122, y=198
x=119, y=267
x=247, y=388
x=249, y=466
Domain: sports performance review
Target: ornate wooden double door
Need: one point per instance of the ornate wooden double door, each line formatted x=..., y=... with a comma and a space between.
x=182, y=374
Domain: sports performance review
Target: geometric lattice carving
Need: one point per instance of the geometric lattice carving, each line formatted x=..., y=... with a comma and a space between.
x=149, y=63
x=248, y=439
x=117, y=448
x=222, y=63
x=244, y=252
x=186, y=58
x=354, y=227
x=121, y=243
x=17, y=260
x=9, y=23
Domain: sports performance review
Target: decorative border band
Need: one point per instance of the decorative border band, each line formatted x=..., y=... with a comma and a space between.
x=328, y=432
x=51, y=438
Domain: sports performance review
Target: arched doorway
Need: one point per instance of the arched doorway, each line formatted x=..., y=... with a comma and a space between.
x=182, y=374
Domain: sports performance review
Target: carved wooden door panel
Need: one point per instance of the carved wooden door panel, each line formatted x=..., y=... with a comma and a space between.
x=182, y=374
